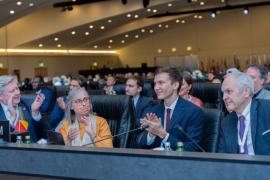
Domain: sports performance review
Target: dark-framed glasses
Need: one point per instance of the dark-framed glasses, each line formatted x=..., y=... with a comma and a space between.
x=79, y=102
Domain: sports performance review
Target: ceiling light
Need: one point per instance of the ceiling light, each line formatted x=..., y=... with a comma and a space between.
x=143, y=30
x=40, y=45
x=128, y=15
x=19, y=3
x=246, y=11
x=218, y=12
x=122, y=41
x=148, y=10
x=36, y=51
x=160, y=25
x=59, y=45
x=95, y=46
x=177, y=21
x=202, y=3
x=222, y=0
x=31, y=4
x=73, y=32
x=213, y=14
x=126, y=35
x=170, y=5
x=109, y=21
x=110, y=41
x=12, y=12
x=195, y=16
x=91, y=26
x=154, y=11
x=136, y=36
x=183, y=21
x=56, y=39
x=166, y=26
x=151, y=31
x=136, y=16
x=84, y=51
x=73, y=0
x=200, y=17
x=2, y=50
x=86, y=33
x=102, y=27
x=109, y=47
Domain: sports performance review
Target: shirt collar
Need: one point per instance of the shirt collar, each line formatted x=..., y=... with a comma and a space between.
x=173, y=104
x=135, y=100
x=38, y=92
x=255, y=95
x=246, y=110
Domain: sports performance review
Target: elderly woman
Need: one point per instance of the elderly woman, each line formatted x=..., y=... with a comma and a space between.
x=82, y=125
x=186, y=91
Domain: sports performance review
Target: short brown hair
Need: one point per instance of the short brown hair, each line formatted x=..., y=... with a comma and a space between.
x=175, y=75
x=81, y=79
x=139, y=80
x=189, y=80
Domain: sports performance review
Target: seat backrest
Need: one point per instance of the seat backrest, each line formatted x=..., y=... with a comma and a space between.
x=93, y=85
x=267, y=86
x=150, y=81
x=121, y=81
x=210, y=137
x=61, y=92
x=96, y=92
x=28, y=99
x=209, y=94
x=54, y=96
x=119, y=112
x=120, y=89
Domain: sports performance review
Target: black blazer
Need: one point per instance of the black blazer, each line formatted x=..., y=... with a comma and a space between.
x=260, y=123
x=143, y=107
x=188, y=116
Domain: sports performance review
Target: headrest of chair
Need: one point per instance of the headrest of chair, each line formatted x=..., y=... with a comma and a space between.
x=28, y=99
x=207, y=92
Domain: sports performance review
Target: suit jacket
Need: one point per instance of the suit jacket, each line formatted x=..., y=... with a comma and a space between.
x=264, y=94
x=37, y=130
x=185, y=114
x=259, y=120
x=48, y=99
x=56, y=115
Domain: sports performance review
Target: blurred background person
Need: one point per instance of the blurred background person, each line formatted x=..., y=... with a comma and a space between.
x=217, y=80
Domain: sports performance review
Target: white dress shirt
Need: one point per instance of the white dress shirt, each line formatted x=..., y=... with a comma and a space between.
x=151, y=140
x=246, y=114
x=5, y=109
x=38, y=92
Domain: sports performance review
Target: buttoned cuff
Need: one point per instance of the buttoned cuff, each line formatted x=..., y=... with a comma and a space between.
x=37, y=118
x=150, y=140
x=166, y=138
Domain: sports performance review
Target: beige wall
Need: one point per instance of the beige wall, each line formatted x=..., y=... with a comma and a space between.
x=230, y=33
x=57, y=65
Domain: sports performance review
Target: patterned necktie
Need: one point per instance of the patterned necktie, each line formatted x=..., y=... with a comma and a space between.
x=168, y=118
x=241, y=134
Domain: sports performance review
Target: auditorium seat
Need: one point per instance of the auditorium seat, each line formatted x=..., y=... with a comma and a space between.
x=28, y=98
x=54, y=96
x=209, y=94
x=267, y=86
x=120, y=89
x=93, y=85
x=210, y=137
x=121, y=81
x=119, y=112
x=61, y=93
x=96, y=92
x=150, y=81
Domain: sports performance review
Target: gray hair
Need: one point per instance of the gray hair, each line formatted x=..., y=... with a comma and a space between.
x=4, y=80
x=263, y=73
x=242, y=80
x=70, y=114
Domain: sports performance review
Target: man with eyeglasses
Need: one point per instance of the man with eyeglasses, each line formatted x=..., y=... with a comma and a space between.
x=58, y=112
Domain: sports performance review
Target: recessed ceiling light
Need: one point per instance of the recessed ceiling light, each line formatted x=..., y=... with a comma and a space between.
x=40, y=45
x=170, y=5
x=183, y=21
x=136, y=36
x=73, y=32
x=126, y=35
x=136, y=16
x=166, y=26
x=122, y=41
x=95, y=46
x=128, y=15
x=110, y=41
x=59, y=45
x=222, y=0
x=195, y=16
x=86, y=33
x=109, y=47
x=151, y=31
x=177, y=21
x=12, y=12
x=109, y=21
x=19, y=3
x=56, y=39
x=91, y=26
x=154, y=10
x=148, y=10
x=102, y=27
x=73, y=0
x=160, y=25
x=31, y=4
x=200, y=17
x=202, y=3
x=218, y=12
x=143, y=30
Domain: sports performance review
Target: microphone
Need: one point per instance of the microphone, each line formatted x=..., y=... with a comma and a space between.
x=140, y=128
x=181, y=129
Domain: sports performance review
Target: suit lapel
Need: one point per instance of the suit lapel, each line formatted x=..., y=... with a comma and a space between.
x=2, y=113
x=160, y=112
x=253, y=120
x=139, y=101
x=234, y=133
x=176, y=113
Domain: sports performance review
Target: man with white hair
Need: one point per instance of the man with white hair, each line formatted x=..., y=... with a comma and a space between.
x=13, y=109
x=247, y=129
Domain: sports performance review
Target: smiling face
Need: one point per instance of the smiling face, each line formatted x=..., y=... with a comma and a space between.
x=184, y=88
x=84, y=108
x=11, y=90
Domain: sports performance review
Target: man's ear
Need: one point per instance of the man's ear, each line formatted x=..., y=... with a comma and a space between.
x=247, y=91
x=1, y=97
x=140, y=89
x=176, y=85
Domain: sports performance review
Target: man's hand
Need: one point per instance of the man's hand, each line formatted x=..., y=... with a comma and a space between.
x=155, y=127
x=11, y=110
x=37, y=103
x=61, y=103
x=106, y=89
x=72, y=133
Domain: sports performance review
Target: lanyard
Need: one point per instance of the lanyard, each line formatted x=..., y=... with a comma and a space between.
x=242, y=143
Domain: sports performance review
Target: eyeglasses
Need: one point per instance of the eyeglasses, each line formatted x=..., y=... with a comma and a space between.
x=78, y=102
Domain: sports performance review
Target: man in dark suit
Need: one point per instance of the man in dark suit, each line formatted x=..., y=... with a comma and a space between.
x=246, y=130
x=13, y=109
x=174, y=111
x=110, y=85
x=143, y=105
x=37, y=86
